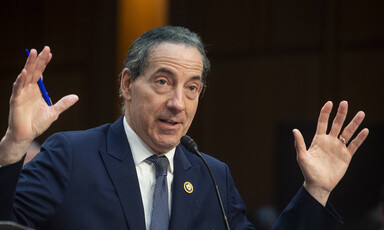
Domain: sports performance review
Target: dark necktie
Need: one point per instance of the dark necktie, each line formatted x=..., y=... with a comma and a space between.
x=160, y=210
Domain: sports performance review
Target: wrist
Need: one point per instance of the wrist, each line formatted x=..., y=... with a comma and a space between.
x=317, y=192
x=12, y=150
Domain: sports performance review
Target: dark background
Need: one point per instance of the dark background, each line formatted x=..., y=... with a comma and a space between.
x=274, y=64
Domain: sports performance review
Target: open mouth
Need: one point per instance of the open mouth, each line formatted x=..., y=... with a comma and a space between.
x=169, y=122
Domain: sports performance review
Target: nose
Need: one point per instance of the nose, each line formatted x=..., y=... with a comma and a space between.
x=176, y=100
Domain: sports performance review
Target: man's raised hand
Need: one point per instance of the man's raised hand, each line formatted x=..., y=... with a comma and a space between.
x=29, y=115
x=327, y=159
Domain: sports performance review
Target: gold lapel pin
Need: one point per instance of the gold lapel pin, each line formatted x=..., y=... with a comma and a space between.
x=188, y=187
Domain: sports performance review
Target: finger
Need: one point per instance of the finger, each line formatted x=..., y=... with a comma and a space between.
x=299, y=143
x=64, y=103
x=339, y=119
x=30, y=65
x=322, y=123
x=19, y=83
x=50, y=57
x=41, y=62
x=353, y=125
x=21, y=80
x=31, y=59
x=359, y=139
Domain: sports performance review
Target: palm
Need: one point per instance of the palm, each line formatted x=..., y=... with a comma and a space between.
x=30, y=115
x=327, y=159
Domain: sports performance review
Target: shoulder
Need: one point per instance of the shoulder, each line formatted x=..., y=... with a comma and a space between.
x=92, y=133
x=78, y=139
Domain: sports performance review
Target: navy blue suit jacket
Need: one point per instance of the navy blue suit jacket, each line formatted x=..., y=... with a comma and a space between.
x=87, y=180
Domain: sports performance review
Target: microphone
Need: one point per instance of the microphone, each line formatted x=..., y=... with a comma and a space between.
x=191, y=145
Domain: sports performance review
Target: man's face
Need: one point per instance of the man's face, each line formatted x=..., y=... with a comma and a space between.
x=161, y=103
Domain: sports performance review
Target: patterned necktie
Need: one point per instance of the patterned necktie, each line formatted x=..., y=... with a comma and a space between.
x=160, y=210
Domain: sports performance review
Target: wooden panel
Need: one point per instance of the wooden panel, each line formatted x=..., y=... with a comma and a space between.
x=361, y=21
x=82, y=37
x=274, y=64
x=361, y=81
x=136, y=17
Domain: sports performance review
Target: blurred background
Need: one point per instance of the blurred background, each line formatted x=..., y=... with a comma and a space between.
x=274, y=64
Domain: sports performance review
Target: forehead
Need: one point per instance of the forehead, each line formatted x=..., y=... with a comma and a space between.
x=176, y=55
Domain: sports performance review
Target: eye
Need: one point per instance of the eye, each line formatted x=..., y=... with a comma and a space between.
x=161, y=82
x=192, y=88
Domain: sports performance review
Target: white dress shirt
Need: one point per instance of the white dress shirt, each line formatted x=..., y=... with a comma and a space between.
x=146, y=172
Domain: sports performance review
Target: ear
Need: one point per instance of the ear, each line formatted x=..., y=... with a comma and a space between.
x=126, y=84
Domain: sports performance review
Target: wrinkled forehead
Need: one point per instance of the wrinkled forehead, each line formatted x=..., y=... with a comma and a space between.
x=178, y=54
x=171, y=47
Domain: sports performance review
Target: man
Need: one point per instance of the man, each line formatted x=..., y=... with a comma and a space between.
x=104, y=178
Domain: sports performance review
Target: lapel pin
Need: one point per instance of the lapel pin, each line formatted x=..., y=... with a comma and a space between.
x=188, y=187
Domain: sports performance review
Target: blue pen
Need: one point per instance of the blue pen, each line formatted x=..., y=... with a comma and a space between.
x=43, y=91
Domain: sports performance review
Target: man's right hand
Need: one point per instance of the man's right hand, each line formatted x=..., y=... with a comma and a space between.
x=29, y=115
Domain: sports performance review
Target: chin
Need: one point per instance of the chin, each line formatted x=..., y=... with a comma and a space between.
x=166, y=144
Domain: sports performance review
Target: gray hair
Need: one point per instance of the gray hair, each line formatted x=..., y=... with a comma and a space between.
x=138, y=53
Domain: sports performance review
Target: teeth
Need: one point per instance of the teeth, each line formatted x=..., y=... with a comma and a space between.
x=169, y=122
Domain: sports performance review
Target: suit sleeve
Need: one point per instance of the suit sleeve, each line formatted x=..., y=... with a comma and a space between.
x=304, y=212
x=35, y=195
x=9, y=176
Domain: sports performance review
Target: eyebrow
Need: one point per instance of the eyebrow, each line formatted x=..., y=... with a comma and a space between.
x=168, y=71
x=164, y=70
x=195, y=78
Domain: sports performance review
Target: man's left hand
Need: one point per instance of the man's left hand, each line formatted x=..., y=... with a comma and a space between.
x=327, y=159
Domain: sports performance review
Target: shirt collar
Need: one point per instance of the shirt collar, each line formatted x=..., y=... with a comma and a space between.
x=140, y=150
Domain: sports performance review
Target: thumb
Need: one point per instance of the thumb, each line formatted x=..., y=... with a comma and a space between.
x=299, y=142
x=65, y=102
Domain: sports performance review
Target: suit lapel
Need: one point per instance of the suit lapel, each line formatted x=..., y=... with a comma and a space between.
x=120, y=166
x=183, y=201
